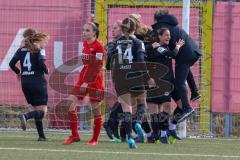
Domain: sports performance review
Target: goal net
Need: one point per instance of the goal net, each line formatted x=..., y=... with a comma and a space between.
x=111, y=11
x=64, y=21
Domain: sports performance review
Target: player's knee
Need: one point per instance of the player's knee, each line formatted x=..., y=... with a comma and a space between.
x=39, y=115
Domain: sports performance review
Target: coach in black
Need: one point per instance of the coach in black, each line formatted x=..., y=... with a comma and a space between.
x=34, y=85
x=186, y=57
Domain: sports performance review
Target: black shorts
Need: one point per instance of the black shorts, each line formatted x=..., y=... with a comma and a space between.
x=169, y=77
x=124, y=85
x=35, y=91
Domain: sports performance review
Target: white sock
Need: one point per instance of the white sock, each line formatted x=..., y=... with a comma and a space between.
x=134, y=135
x=149, y=134
x=172, y=126
x=163, y=133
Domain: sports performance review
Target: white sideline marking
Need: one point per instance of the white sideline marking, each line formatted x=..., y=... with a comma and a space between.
x=129, y=153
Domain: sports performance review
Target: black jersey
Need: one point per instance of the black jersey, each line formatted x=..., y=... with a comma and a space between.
x=127, y=65
x=32, y=64
x=164, y=55
x=131, y=49
x=127, y=53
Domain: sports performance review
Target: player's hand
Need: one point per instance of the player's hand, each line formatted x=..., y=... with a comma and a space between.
x=151, y=83
x=19, y=77
x=92, y=18
x=48, y=70
x=156, y=45
x=83, y=87
x=180, y=43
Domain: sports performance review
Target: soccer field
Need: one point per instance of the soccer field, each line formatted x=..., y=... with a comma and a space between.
x=23, y=145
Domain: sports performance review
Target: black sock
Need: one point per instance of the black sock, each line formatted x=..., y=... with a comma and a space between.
x=154, y=124
x=122, y=132
x=146, y=126
x=176, y=115
x=114, y=118
x=141, y=110
x=163, y=118
x=39, y=123
x=113, y=124
x=31, y=114
x=127, y=123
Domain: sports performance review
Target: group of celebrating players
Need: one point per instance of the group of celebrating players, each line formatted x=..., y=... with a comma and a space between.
x=139, y=60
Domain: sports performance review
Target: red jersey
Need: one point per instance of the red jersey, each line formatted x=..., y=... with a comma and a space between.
x=91, y=74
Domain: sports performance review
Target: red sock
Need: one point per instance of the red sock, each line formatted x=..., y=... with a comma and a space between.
x=97, y=127
x=74, y=122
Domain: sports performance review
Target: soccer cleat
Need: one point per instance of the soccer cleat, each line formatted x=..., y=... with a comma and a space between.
x=164, y=139
x=93, y=142
x=132, y=144
x=157, y=142
x=42, y=139
x=116, y=140
x=140, y=133
x=71, y=139
x=23, y=121
x=108, y=130
x=173, y=133
x=187, y=111
x=195, y=95
x=171, y=139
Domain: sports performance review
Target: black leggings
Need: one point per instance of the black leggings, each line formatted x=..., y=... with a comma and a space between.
x=181, y=74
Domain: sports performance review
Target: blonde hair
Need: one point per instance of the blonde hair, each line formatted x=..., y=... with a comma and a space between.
x=128, y=24
x=141, y=29
x=32, y=42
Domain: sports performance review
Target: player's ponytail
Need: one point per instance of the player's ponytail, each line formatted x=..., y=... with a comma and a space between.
x=32, y=43
x=128, y=25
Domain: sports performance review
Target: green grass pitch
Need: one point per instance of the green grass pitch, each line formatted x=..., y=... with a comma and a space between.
x=18, y=145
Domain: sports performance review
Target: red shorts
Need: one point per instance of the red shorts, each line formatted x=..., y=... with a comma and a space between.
x=94, y=90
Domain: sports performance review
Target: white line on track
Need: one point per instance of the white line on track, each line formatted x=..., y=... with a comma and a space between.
x=123, y=153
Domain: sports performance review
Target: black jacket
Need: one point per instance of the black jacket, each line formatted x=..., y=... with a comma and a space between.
x=189, y=53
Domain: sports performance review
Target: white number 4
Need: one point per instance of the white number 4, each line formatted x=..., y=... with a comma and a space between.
x=27, y=62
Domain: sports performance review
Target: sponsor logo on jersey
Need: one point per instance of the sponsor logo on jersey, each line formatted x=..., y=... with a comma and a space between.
x=26, y=73
x=99, y=56
x=85, y=56
x=125, y=66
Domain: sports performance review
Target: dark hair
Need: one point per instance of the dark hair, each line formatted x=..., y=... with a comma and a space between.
x=128, y=24
x=29, y=32
x=31, y=41
x=94, y=27
x=162, y=30
x=159, y=13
